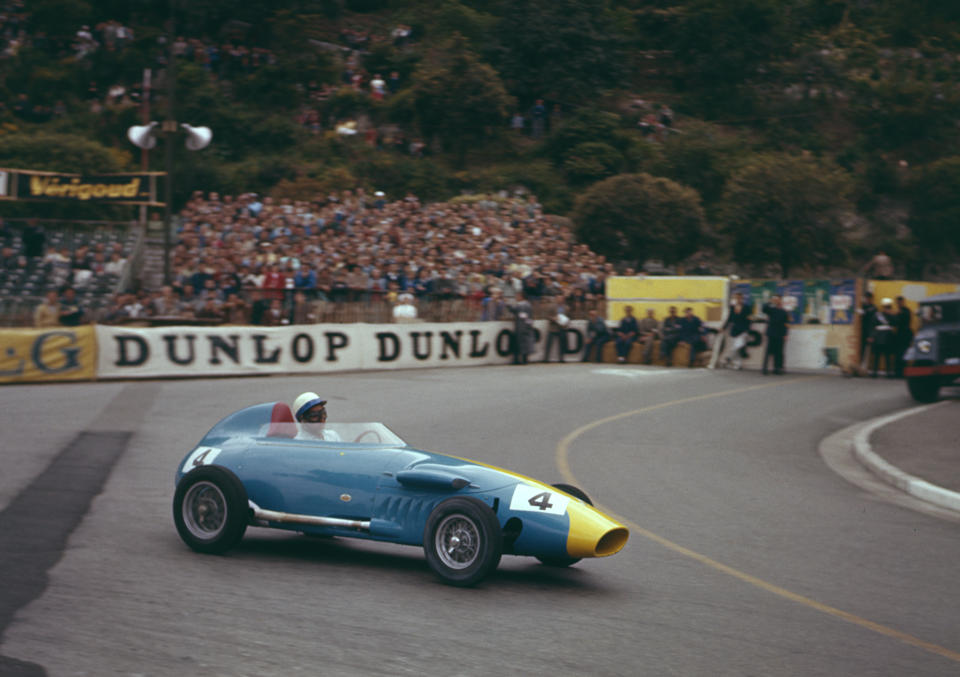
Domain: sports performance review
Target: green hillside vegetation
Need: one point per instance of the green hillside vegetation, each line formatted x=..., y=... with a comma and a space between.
x=784, y=136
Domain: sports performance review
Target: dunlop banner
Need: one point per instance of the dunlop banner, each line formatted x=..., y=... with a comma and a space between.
x=135, y=189
x=31, y=355
x=198, y=352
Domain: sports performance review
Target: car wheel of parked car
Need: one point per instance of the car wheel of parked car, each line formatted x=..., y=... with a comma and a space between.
x=462, y=541
x=566, y=561
x=210, y=509
x=924, y=389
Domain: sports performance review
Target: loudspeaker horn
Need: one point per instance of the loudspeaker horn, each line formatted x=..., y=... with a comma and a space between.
x=142, y=136
x=197, y=137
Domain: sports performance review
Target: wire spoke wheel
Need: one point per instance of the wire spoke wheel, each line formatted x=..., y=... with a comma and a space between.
x=205, y=510
x=462, y=541
x=210, y=509
x=458, y=541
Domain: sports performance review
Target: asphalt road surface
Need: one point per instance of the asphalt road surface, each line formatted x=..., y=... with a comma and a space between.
x=747, y=556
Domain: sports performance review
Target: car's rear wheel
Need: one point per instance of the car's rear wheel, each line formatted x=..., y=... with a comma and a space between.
x=924, y=389
x=462, y=541
x=561, y=562
x=210, y=509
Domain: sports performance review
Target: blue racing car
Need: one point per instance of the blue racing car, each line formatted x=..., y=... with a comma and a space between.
x=259, y=467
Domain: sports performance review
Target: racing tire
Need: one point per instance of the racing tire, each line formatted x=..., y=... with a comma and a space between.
x=462, y=541
x=563, y=562
x=924, y=389
x=210, y=509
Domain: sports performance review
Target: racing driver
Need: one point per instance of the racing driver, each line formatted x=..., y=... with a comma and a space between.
x=311, y=413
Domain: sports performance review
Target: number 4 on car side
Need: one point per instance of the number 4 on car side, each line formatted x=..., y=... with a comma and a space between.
x=258, y=467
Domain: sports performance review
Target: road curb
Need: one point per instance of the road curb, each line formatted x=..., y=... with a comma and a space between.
x=916, y=487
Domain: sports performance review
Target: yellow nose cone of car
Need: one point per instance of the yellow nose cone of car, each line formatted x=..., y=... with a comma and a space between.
x=593, y=534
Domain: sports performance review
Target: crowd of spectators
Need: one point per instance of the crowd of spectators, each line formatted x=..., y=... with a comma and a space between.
x=100, y=47
x=263, y=261
x=12, y=27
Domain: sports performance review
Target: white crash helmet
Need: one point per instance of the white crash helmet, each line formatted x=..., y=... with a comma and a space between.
x=305, y=402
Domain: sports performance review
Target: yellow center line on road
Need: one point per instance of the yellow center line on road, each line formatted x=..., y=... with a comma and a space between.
x=563, y=464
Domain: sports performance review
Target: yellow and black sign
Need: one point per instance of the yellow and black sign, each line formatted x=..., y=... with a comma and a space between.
x=30, y=355
x=137, y=188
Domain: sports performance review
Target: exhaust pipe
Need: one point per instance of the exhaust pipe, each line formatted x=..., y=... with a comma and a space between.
x=264, y=516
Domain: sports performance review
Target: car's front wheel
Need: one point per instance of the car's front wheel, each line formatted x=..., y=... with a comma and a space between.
x=924, y=388
x=462, y=541
x=210, y=509
x=561, y=562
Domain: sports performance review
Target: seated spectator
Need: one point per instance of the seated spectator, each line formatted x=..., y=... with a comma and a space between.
x=305, y=278
x=304, y=310
x=9, y=259
x=647, y=334
x=669, y=335
x=259, y=305
x=71, y=314
x=494, y=307
x=189, y=302
x=689, y=331
x=47, y=314
x=165, y=304
x=115, y=265
x=626, y=333
x=235, y=310
x=115, y=312
x=274, y=317
x=210, y=310
x=597, y=336
x=135, y=308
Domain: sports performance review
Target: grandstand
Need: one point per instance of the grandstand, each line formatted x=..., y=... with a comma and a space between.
x=25, y=281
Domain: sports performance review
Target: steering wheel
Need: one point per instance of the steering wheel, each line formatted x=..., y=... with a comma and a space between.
x=368, y=432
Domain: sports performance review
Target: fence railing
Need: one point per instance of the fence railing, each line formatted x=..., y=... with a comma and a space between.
x=368, y=309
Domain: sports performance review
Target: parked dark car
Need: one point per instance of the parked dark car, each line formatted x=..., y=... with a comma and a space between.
x=933, y=360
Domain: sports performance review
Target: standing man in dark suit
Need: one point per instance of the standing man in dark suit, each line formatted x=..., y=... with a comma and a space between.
x=777, y=330
x=903, y=321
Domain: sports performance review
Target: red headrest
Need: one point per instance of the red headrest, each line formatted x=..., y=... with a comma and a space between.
x=282, y=423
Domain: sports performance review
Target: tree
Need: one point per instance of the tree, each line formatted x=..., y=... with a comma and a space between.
x=459, y=99
x=61, y=153
x=935, y=208
x=719, y=46
x=559, y=49
x=701, y=156
x=639, y=216
x=586, y=125
x=785, y=209
x=591, y=161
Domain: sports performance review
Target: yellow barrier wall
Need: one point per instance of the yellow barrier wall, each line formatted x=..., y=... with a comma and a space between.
x=61, y=354
x=706, y=295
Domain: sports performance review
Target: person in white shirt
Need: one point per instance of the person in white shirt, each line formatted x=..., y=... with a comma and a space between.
x=405, y=310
